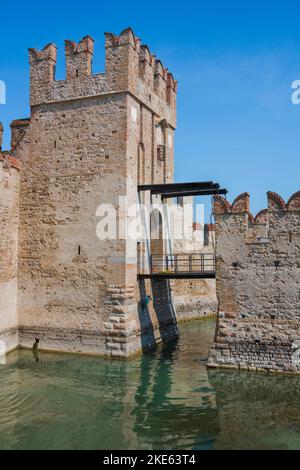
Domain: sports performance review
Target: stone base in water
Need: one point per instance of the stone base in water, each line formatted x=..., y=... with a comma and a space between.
x=100, y=343
x=255, y=356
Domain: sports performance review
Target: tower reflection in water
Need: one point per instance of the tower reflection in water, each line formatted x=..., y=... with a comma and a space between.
x=174, y=404
x=161, y=400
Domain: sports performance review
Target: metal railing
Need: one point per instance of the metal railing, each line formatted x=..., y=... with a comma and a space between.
x=182, y=263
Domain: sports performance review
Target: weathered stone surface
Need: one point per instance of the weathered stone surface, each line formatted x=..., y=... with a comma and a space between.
x=258, y=285
x=89, y=140
x=195, y=298
x=9, y=222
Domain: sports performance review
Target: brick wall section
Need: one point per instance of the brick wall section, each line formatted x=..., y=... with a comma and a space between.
x=258, y=285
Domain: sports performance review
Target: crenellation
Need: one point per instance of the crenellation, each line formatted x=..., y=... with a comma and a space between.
x=19, y=128
x=129, y=67
x=42, y=70
x=241, y=203
x=220, y=205
x=127, y=36
x=293, y=203
x=160, y=85
x=79, y=58
x=8, y=158
x=121, y=61
x=171, y=90
x=146, y=66
x=275, y=202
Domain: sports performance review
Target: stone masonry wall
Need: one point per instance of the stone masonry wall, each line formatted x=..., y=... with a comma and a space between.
x=90, y=139
x=194, y=298
x=9, y=213
x=76, y=158
x=258, y=285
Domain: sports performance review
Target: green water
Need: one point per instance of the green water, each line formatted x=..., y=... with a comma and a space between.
x=163, y=400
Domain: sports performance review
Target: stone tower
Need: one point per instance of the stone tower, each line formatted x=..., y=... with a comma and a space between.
x=91, y=138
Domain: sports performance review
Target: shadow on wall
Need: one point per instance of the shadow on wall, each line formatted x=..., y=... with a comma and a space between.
x=158, y=321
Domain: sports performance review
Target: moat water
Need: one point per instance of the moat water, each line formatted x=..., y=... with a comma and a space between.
x=162, y=400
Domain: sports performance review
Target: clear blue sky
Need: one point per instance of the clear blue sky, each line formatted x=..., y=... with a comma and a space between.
x=234, y=60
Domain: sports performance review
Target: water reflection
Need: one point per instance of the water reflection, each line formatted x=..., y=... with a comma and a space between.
x=161, y=400
x=171, y=409
x=257, y=411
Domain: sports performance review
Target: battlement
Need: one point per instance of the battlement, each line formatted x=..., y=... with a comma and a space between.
x=241, y=205
x=79, y=58
x=278, y=217
x=9, y=162
x=129, y=66
x=18, y=128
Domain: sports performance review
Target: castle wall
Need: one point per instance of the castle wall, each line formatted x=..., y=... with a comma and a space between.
x=76, y=158
x=129, y=67
x=258, y=285
x=9, y=213
x=77, y=292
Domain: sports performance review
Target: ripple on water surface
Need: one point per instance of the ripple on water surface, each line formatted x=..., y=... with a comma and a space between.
x=162, y=400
